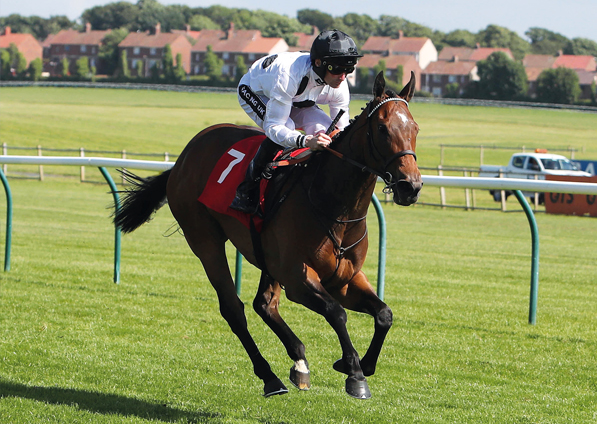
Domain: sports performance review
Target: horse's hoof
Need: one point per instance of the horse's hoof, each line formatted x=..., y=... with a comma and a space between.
x=300, y=380
x=339, y=366
x=274, y=387
x=357, y=389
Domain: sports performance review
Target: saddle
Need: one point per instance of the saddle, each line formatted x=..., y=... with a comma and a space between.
x=230, y=171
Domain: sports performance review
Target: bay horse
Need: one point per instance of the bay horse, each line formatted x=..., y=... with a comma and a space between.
x=315, y=244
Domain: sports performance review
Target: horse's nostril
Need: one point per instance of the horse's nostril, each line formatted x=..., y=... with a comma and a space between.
x=406, y=187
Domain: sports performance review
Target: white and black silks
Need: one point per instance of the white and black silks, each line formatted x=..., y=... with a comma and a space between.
x=281, y=93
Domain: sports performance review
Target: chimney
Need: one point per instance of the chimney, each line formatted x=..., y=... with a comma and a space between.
x=560, y=52
x=231, y=30
x=188, y=28
x=400, y=34
x=477, y=46
x=7, y=30
x=87, y=27
x=455, y=59
x=158, y=28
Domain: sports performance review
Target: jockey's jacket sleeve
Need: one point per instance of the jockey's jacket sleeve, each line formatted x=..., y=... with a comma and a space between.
x=274, y=125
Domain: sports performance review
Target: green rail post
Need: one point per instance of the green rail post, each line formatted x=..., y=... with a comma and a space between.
x=534, y=259
x=381, y=257
x=116, y=229
x=238, y=271
x=7, y=245
x=381, y=263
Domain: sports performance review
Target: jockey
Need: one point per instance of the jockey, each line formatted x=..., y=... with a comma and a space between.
x=281, y=93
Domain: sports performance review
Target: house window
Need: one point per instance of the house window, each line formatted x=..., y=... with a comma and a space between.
x=136, y=50
x=93, y=50
x=437, y=78
x=452, y=78
x=388, y=73
x=226, y=70
x=225, y=55
x=437, y=91
x=92, y=62
x=152, y=51
x=196, y=70
x=66, y=48
x=251, y=57
x=83, y=49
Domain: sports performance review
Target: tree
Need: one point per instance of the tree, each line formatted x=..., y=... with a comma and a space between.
x=82, y=67
x=452, y=90
x=544, y=41
x=501, y=78
x=199, y=22
x=399, y=75
x=559, y=85
x=64, y=67
x=582, y=47
x=112, y=15
x=123, y=65
x=108, y=51
x=139, y=69
x=5, y=64
x=496, y=36
x=213, y=64
x=179, y=72
x=35, y=69
x=154, y=72
x=460, y=38
x=315, y=18
x=168, y=64
x=240, y=68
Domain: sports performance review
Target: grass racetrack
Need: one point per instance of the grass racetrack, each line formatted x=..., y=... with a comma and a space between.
x=74, y=347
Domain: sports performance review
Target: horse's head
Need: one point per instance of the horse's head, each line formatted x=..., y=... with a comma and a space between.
x=392, y=134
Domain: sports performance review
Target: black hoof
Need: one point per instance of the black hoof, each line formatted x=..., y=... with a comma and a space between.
x=357, y=389
x=300, y=380
x=274, y=387
x=339, y=366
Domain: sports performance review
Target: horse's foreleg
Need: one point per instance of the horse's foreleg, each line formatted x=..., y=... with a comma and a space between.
x=266, y=305
x=313, y=295
x=361, y=297
x=213, y=258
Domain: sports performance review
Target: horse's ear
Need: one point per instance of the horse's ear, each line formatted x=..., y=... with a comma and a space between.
x=408, y=91
x=379, y=86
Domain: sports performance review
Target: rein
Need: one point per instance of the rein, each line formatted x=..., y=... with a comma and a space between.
x=385, y=176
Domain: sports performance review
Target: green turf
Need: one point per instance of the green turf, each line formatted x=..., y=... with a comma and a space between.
x=74, y=347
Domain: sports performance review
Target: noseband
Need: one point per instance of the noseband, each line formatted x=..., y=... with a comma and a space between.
x=387, y=176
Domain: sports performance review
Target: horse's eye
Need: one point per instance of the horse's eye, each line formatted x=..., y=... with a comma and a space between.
x=383, y=130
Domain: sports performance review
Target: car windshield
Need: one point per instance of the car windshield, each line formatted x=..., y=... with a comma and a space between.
x=559, y=164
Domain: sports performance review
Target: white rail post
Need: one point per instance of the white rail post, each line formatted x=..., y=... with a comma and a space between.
x=41, y=167
x=123, y=157
x=536, y=199
x=82, y=154
x=442, y=190
x=4, y=152
x=467, y=194
x=503, y=195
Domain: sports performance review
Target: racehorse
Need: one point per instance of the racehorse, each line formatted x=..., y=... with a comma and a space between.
x=315, y=244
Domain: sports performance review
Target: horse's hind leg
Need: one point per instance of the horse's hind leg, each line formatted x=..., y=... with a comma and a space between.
x=266, y=305
x=212, y=252
x=361, y=297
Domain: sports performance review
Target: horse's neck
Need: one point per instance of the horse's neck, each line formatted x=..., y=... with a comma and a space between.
x=342, y=188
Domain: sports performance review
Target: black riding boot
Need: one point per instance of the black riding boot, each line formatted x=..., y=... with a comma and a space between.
x=247, y=193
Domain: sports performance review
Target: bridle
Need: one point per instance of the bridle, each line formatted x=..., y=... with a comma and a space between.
x=386, y=176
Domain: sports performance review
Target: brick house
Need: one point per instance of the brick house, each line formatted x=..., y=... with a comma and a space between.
x=148, y=48
x=422, y=48
x=408, y=63
x=304, y=41
x=228, y=45
x=584, y=66
x=29, y=47
x=72, y=45
x=437, y=75
x=456, y=65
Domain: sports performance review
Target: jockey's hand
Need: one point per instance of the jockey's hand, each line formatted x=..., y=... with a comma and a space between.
x=318, y=141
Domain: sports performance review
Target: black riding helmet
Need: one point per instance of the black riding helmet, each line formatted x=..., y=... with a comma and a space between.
x=336, y=50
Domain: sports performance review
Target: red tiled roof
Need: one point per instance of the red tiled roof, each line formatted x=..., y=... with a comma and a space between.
x=468, y=54
x=533, y=73
x=376, y=44
x=17, y=39
x=394, y=45
x=586, y=77
x=70, y=36
x=371, y=60
x=144, y=39
x=239, y=41
x=443, y=67
x=482, y=53
x=538, y=61
x=575, y=62
x=305, y=41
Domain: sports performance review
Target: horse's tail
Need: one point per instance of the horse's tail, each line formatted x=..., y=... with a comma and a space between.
x=139, y=202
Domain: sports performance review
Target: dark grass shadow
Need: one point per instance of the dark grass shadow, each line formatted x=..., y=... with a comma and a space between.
x=105, y=403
